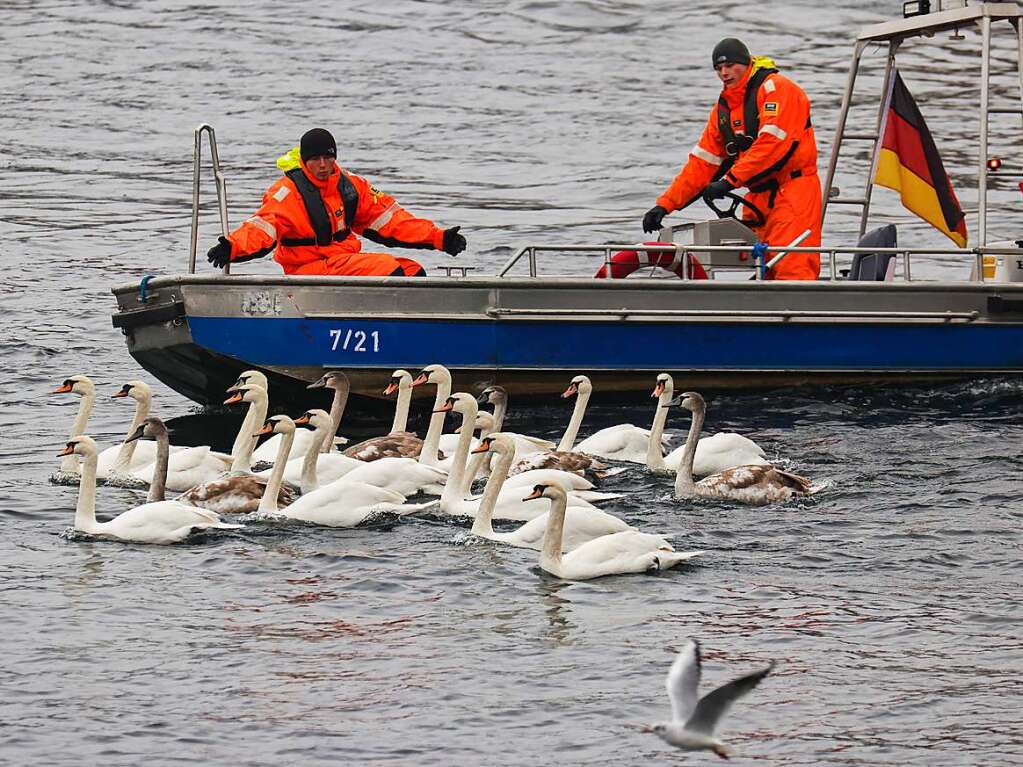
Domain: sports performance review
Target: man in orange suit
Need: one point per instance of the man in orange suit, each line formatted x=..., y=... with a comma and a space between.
x=759, y=137
x=312, y=214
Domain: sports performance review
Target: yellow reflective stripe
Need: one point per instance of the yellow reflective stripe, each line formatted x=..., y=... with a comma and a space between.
x=775, y=131
x=264, y=225
x=703, y=154
x=384, y=217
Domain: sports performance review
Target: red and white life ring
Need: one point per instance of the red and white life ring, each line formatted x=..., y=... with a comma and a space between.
x=625, y=262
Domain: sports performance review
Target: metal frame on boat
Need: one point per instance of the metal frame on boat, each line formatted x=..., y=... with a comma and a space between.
x=531, y=332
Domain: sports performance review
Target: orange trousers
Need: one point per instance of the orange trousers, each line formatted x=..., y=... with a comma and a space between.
x=797, y=207
x=363, y=264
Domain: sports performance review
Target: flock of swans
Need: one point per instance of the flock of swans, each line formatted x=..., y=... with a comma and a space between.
x=301, y=474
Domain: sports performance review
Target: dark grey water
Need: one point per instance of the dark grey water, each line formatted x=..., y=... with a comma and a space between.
x=891, y=601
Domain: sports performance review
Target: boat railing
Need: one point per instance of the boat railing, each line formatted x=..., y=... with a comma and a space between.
x=829, y=256
x=221, y=190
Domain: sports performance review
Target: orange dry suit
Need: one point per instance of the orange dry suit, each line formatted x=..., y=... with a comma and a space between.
x=759, y=137
x=313, y=225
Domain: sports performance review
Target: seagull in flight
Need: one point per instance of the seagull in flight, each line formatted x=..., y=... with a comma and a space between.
x=693, y=719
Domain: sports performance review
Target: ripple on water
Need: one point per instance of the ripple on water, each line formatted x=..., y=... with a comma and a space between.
x=889, y=599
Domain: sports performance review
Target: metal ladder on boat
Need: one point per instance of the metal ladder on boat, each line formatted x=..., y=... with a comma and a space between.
x=894, y=33
x=221, y=190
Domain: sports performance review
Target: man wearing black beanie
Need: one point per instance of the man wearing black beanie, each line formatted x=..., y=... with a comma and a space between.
x=759, y=136
x=312, y=214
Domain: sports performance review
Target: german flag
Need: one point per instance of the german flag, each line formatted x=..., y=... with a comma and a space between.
x=910, y=164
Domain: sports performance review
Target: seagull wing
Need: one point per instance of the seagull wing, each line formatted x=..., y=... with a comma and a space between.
x=683, y=681
x=715, y=705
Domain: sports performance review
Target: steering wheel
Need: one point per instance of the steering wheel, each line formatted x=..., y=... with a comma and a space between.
x=730, y=212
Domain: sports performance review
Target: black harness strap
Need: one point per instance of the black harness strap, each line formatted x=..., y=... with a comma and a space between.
x=316, y=209
x=736, y=143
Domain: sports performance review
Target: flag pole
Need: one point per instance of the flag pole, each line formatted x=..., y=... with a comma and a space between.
x=985, y=105
x=890, y=73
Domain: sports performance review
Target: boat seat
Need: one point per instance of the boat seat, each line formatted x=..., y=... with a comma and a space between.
x=875, y=266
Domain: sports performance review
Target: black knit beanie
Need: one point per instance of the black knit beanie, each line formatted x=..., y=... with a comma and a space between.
x=730, y=51
x=317, y=143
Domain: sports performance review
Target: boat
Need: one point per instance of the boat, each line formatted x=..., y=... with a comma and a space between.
x=530, y=328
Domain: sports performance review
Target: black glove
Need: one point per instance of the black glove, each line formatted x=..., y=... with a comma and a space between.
x=717, y=189
x=220, y=254
x=454, y=243
x=652, y=219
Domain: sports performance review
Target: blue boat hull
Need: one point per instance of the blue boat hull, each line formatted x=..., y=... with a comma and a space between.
x=197, y=333
x=524, y=345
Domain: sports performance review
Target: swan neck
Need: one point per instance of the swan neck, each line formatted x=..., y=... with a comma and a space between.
x=555, y=529
x=158, y=487
x=69, y=464
x=85, y=510
x=572, y=431
x=654, y=453
x=309, y=480
x=268, y=503
x=337, y=410
x=453, y=487
x=401, y=409
x=500, y=410
x=472, y=471
x=483, y=524
x=684, y=485
x=127, y=451
x=428, y=456
x=256, y=414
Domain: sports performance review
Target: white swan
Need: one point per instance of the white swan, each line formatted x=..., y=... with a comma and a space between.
x=629, y=551
x=314, y=468
x=487, y=423
x=188, y=467
x=131, y=455
x=581, y=524
x=401, y=382
x=269, y=502
x=713, y=454
x=240, y=491
x=441, y=378
x=343, y=503
x=509, y=503
x=403, y=475
x=566, y=457
x=161, y=522
x=578, y=485
x=623, y=442
x=749, y=484
x=525, y=443
x=82, y=386
x=120, y=458
x=398, y=442
x=265, y=453
x=338, y=381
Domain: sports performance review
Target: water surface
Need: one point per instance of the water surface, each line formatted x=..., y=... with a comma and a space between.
x=890, y=601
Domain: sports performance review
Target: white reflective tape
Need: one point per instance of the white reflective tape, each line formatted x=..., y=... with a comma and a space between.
x=775, y=131
x=281, y=193
x=769, y=86
x=703, y=154
x=264, y=225
x=383, y=218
